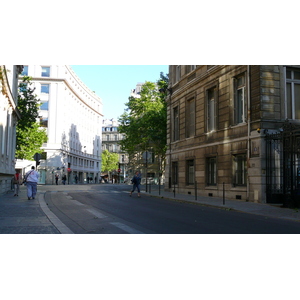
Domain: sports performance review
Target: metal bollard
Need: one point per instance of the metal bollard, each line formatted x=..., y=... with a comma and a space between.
x=223, y=193
x=159, y=186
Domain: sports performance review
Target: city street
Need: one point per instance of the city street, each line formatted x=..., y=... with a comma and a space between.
x=108, y=209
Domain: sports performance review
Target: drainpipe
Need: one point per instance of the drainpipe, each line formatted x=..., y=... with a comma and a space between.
x=249, y=132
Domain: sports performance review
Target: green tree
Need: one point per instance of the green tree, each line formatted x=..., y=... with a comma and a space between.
x=30, y=140
x=30, y=136
x=144, y=123
x=109, y=161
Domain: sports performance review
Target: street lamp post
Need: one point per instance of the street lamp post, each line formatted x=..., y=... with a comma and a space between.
x=146, y=171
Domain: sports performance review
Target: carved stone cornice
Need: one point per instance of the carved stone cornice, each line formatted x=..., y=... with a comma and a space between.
x=6, y=91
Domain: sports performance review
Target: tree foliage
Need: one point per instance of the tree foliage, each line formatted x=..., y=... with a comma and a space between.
x=28, y=104
x=30, y=136
x=29, y=141
x=109, y=161
x=144, y=123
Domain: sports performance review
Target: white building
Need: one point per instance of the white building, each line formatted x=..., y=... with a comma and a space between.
x=9, y=116
x=72, y=114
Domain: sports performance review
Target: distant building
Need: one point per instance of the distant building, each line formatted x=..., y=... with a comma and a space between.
x=9, y=116
x=137, y=91
x=234, y=129
x=72, y=115
x=110, y=142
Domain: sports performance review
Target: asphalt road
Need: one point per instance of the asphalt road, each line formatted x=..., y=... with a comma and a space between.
x=108, y=209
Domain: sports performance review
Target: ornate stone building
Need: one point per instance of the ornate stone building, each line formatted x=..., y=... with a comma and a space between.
x=110, y=142
x=220, y=119
x=9, y=116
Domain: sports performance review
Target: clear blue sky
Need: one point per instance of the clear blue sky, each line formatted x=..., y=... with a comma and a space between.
x=112, y=83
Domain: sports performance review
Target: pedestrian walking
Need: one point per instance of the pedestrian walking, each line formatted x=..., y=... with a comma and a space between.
x=17, y=180
x=76, y=179
x=136, y=180
x=56, y=178
x=64, y=179
x=31, y=178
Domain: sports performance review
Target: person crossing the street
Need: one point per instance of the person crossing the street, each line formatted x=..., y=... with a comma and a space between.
x=136, y=180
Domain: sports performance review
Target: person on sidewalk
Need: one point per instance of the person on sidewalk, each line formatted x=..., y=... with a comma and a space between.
x=56, y=179
x=17, y=181
x=64, y=179
x=32, y=178
x=136, y=180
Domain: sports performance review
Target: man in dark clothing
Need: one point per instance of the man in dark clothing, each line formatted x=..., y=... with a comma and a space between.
x=136, y=180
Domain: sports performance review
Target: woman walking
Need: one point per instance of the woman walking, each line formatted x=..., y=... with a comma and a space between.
x=17, y=181
x=32, y=178
x=136, y=180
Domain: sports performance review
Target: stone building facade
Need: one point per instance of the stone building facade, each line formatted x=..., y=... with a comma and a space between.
x=218, y=119
x=110, y=141
x=9, y=116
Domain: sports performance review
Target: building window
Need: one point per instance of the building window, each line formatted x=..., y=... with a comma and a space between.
x=44, y=106
x=178, y=73
x=292, y=93
x=174, y=172
x=211, y=171
x=43, y=122
x=45, y=88
x=240, y=110
x=45, y=71
x=190, y=172
x=175, y=124
x=25, y=71
x=239, y=169
x=211, y=110
x=190, y=118
x=190, y=68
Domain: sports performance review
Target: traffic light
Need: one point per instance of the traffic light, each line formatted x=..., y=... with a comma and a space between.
x=37, y=158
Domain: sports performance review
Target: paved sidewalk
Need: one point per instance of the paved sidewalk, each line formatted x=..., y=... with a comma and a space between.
x=266, y=210
x=18, y=215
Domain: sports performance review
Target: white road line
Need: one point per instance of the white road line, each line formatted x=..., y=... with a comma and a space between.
x=61, y=227
x=126, y=228
x=96, y=213
x=77, y=202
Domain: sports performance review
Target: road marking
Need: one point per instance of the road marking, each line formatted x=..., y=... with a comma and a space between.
x=61, y=227
x=96, y=213
x=126, y=228
x=77, y=202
